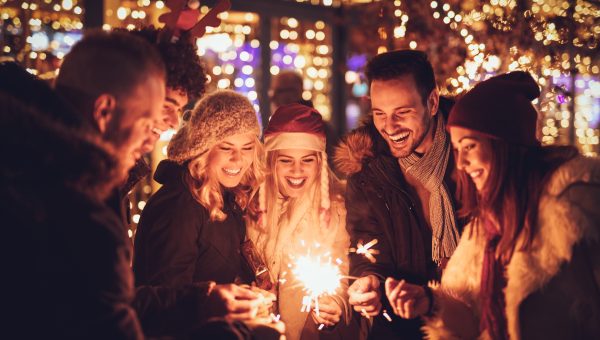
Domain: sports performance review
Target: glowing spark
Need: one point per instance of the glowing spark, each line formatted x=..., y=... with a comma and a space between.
x=366, y=249
x=321, y=326
x=387, y=316
x=318, y=276
x=364, y=313
x=275, y=318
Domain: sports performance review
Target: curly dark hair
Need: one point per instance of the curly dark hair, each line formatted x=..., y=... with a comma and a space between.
x=184, y=68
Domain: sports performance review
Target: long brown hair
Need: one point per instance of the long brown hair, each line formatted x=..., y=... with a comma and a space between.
x=202, y=182
x=511, y=194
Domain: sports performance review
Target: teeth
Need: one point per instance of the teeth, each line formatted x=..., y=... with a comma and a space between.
x=296, y=181
x=157, y=131
x=475, y=173
x=232, y=171
x=398, y=137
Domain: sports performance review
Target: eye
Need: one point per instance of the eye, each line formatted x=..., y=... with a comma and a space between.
x=470, y=147
x=284, y=160
x=225, y=148
x=248, y=148
x=309, y=160
x=378, y=113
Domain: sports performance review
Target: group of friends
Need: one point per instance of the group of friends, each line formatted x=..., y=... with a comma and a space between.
x=475, y=230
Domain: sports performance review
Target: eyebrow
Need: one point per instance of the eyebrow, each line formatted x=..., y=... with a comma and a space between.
x=394, y=109
x=468, y=137
x=231, y=144
x=172, y=101
x=287, y=156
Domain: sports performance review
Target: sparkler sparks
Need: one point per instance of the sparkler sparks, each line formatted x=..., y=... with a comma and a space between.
x=366, y=249
x=319, y=276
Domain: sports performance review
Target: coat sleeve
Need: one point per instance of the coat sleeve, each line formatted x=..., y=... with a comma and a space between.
x=103, y=253
x=171, y=249
x=171, y=311
x=363, y=226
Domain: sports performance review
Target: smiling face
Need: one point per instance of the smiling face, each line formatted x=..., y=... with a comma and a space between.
x=473, y=154
x=175, y=101
x=231, y=158
x=401, y=116
x=295, y=171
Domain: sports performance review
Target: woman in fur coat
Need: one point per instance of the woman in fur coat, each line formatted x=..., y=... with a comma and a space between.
x=301, y=205
x=528, y=264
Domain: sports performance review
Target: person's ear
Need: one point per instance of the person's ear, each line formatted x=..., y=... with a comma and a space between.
x=433, y=102
x=104, y=111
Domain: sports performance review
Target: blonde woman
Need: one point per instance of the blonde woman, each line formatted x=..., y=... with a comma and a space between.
x=192, y=228
x=301, y=204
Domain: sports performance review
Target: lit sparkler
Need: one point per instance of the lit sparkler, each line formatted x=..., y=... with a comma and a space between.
x=366, y=249
x=319, y=276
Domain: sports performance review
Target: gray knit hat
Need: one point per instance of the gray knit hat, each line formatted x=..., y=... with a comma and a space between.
x=217, y=116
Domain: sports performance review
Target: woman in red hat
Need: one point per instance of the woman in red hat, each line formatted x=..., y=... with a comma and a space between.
x=302, y=210
x=528, y=264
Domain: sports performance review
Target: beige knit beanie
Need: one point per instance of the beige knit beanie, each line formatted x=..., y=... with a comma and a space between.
x=219, y=115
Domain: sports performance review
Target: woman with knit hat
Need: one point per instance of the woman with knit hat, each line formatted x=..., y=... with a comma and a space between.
x=528, y=264
x=301, y=205
x=192, y=229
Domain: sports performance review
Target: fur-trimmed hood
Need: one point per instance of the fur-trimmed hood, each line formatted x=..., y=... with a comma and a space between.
x=358, y=147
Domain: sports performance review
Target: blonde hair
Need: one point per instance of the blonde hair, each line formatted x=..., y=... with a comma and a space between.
x=204, y=185
x=323, y=187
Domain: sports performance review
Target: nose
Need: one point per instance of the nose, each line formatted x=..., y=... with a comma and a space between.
x=391, y=124
x=236, y=156
x=461, y=161
x=296, y=168
x=171, y=119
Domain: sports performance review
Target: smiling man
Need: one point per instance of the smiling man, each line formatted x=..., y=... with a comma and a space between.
x=400, y=187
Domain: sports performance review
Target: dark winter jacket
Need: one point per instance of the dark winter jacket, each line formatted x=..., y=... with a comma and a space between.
x=176, y=244
x=66, y=260
x=381, y=205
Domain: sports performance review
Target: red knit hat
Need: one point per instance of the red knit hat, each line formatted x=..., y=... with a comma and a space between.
x=501, y=108
x=295, y=126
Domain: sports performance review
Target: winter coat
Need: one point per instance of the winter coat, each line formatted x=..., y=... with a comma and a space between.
x=66, y=261
x=381, y=205
x=176, y=244
x=293, y=241
x=553, y=289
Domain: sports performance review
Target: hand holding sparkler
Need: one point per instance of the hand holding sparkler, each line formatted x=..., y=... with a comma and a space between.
x=407, y=300
x=330, y=312
x=364, y=295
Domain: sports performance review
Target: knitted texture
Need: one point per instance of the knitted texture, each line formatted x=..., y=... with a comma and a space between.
x=217, y=116
x=501, y=108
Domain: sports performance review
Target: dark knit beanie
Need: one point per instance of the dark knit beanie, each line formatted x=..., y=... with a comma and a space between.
x=217, y=116
x=500, y=107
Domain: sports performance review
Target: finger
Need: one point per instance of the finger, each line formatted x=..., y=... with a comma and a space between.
x=241, y=293
x=249, y=315
x=242, y=306
x=366, y=298
x=390, y=284
x=328, y=318
x=395, y=292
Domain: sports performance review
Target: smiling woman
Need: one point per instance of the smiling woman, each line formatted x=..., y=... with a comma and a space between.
x=191, y=230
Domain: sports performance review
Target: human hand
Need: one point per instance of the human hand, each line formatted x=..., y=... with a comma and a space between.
x=364, y=295
x=330, y=312
x=233, y=302
x=407, y=300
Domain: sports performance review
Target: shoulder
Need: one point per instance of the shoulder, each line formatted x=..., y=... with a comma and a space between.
x=568, y=206
x=579, y=170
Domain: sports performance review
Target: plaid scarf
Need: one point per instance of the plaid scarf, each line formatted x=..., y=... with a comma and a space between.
x=429, y=170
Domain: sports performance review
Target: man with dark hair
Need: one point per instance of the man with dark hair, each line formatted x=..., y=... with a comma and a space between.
x=67, y=157
x=399, y=188
x=186, y=82
x=117, y=83
x=186, y=78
